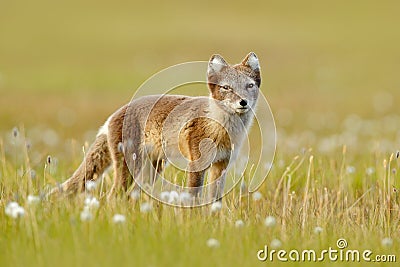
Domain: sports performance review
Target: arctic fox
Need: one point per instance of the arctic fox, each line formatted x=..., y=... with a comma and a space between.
x=223, y=118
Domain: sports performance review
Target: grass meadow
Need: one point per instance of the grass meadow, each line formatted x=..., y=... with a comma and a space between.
x=330, y=73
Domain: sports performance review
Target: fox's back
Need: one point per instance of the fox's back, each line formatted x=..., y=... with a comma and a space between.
x=178, y=121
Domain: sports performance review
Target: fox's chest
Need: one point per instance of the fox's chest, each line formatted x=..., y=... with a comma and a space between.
x=209, y=136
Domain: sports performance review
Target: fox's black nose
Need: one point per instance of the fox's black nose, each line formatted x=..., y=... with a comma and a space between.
x=243, y=103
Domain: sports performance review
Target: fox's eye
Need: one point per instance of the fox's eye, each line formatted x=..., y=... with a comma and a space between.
x=225, y=87
x=251, y=85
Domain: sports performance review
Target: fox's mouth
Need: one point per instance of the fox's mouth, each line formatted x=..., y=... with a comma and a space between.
x=242, y=110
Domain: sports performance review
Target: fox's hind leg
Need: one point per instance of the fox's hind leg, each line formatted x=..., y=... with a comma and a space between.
x=96, y=160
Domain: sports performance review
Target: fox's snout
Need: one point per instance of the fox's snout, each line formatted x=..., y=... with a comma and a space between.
x=242, y=106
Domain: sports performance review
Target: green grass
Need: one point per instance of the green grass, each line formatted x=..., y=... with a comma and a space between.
x=302, y=193
x=330, y=72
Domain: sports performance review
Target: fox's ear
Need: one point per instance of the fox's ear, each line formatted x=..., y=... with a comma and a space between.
x=216, y=64
x=251, y=60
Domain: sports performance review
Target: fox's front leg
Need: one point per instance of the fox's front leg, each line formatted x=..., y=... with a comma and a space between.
x=122, y=177
x=195, y=183
x=217, y=179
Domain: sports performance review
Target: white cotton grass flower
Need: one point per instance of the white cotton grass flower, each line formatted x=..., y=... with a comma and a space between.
x=387, y=242
x=164, y=196
x=270, y=221
x=91, y=186
x=14, y=210
x=213, y=243
x=135, y=194
x=216, y=206
x=92, y=202
x=145, y=207
x=173, y=197
x=119, y=219
x=10, y=206
x=185, y=197
x=18, y=212
x=318, y=230
x=257, y=196
x=370, y=170
x=31, y=199
x=276, y=243
x=86, y=215
x=239, y=224
x=350, y=169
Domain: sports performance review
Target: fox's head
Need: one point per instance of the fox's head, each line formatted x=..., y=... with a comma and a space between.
x=234, y=87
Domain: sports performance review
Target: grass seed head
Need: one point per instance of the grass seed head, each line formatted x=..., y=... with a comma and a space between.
x=257, y=196
x=239, y=224
x=135, y=195
x=91, y=186
x=185, y=197
x=276, y=243
x=350, y=169
x=86, y=215
x=370, y=170
x=14, y=210
x=270, y=221
x=213, y=243
x=173, y=197
x=119, y=219
x=32, y=199
x=216, y=206
x=145, y=207
x=318, y=230
x=164, y=196
x=387, y=242
x=92, y=202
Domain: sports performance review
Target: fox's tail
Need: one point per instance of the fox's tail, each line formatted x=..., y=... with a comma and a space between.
x=97, y=159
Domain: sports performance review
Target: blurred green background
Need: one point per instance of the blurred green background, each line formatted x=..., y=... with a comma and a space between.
x=67, y=65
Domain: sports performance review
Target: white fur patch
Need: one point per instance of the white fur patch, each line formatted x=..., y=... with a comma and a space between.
x=104, y=129
x=216, y=64
x=217, y=60
x=253, y=62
